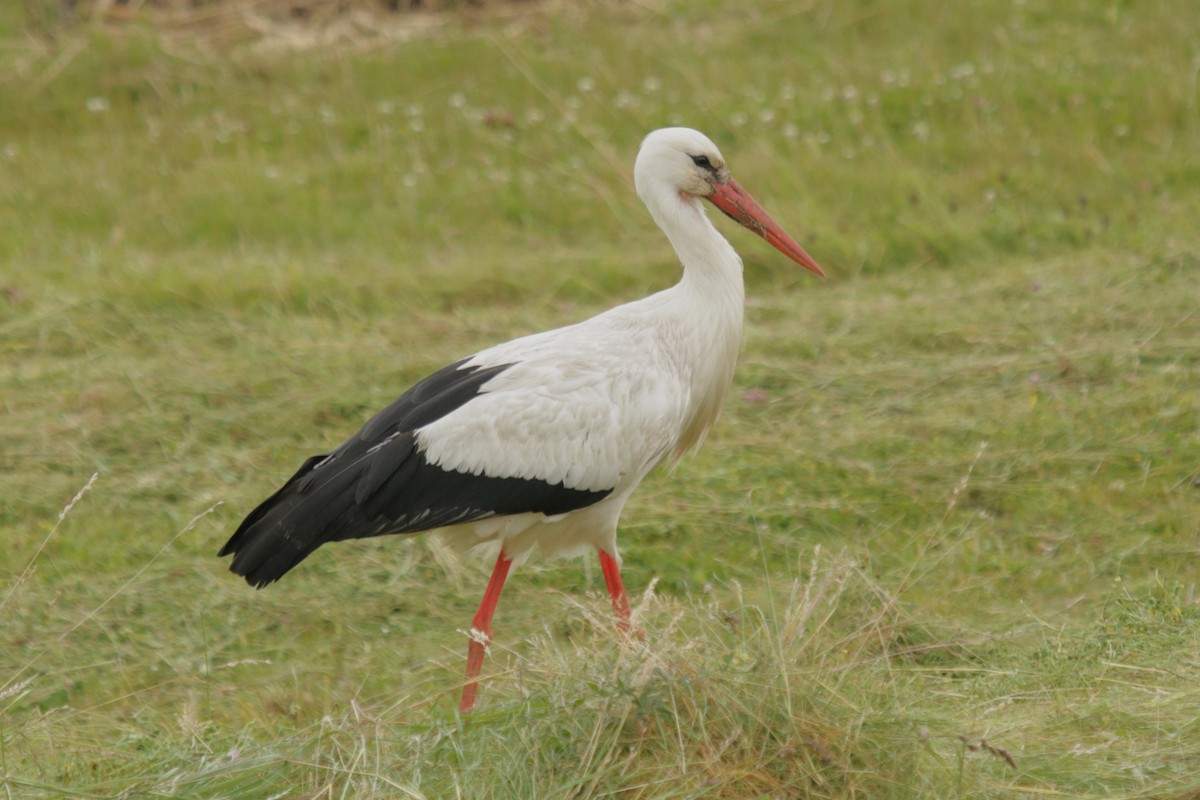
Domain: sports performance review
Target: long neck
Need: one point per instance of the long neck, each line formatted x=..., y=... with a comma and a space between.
x=710, y=297
x=712, y=269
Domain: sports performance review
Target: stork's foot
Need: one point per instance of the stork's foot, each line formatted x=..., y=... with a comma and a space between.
x=481, y=632
x=616, y=590
x=475, y=653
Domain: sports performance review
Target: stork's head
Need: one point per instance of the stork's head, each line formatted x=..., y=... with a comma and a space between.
x=686, y=163
x=684, y=158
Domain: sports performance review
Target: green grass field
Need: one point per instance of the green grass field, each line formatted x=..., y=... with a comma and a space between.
x=943, y=544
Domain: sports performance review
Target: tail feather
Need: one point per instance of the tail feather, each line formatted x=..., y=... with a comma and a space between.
x=263, y=547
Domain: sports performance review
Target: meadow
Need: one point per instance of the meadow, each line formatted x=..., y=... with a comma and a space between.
x=943, y=543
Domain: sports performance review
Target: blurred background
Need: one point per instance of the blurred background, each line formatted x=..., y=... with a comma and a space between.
x=231, y=230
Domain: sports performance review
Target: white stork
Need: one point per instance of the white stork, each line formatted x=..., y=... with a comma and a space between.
x=538, y=442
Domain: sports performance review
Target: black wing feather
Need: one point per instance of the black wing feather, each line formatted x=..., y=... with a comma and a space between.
x=378, y=483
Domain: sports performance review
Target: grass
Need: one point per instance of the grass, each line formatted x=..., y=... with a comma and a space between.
x=942, y=544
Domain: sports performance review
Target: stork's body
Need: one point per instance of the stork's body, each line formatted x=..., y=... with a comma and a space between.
x=537, y=443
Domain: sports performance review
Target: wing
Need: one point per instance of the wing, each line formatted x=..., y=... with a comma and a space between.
x=380, y=481
x=596, y=421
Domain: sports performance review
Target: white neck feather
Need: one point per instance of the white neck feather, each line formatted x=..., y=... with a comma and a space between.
x=710, y=296
x=710, y=264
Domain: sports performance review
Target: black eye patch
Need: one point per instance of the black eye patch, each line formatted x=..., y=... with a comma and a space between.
x=703, y=163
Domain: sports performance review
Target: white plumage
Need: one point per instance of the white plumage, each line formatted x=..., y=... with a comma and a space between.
x=538, y=443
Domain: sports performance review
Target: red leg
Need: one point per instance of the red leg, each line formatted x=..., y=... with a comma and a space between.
x=481, y=630
x=616, y=589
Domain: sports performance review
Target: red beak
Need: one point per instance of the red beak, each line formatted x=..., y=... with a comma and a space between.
x=745, y=210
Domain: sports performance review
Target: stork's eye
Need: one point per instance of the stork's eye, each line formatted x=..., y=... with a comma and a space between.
x=702, y=162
